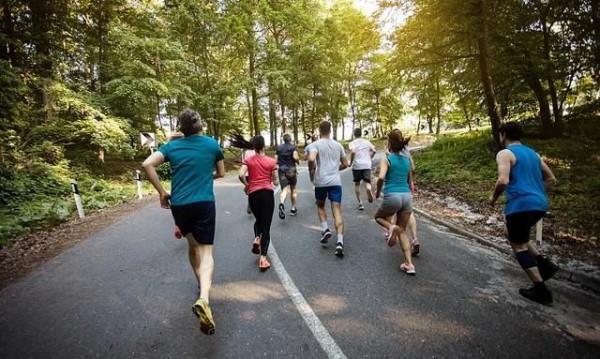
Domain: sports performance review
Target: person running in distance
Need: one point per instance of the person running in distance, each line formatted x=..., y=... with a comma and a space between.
x=258, y=174
x=395, y=172
x=524, y=177
x=287, y=158
x=196, y=161
x=326, y=159
x=362, y=151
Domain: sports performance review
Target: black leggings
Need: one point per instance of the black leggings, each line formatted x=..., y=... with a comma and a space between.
x=262, y=205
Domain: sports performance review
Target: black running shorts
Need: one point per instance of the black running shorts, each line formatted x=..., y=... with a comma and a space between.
x=197, y=218
x=361, y=175
x=519, y=225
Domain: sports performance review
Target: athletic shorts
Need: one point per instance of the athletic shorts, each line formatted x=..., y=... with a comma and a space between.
x=396, y=202
x=197, y=218
x=519, y=225
x=361, y=175
x=334, y=193
x=289, y=177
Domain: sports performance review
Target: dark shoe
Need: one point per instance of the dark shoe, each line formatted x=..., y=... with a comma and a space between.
x=256, y=245
x=281, y=211
x=294, y=211
x=546, y=267
x=415, y=247
x=325, y=236
x=360, y=207
x=339, y=249
x=540, y=295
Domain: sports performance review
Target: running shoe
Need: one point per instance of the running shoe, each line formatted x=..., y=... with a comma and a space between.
x=546, y=267
x=369, y=196
x=408, y=269
x=339, y=249
x=293, y=211
x=392, y=237
x=414, y=247
x=542, y=296
x=205, y=317
x=281, y=211
x=360, y=206
x=177, y=233
x=264, y=264
x=325, y=236
x=256, y=245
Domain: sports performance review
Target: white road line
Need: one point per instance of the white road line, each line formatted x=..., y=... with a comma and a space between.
x=327, y=343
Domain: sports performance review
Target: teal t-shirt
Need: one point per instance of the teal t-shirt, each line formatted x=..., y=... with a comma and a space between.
x=192, y=162
x=396, y=178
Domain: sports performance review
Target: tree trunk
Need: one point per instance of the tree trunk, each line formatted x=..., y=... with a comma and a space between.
x=272, y=119
x=254, y=94
x=295, y=124
x=303, y=121
x=485, y=73
x=595, y=5
x=283, y=121
x=438, y=105
x=249, y=102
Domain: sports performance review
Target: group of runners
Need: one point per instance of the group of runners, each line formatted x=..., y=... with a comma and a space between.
x=197, y=160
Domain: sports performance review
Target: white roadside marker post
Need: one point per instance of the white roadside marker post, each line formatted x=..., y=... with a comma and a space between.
x=78, y=203
x=138, y=178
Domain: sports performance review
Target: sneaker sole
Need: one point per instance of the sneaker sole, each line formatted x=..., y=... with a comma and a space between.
x=207, y=324
x=369, y=197
x=325, y=237
x=408, y=271
x=281, y=212
x=339, y=252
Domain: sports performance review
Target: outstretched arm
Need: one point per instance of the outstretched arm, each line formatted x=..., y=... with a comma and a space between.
x=549, y=178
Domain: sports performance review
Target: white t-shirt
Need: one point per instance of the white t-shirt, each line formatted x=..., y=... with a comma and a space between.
x=329, y=158
x=362, y=154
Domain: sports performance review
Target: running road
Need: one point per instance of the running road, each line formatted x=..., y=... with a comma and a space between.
x=127, y=292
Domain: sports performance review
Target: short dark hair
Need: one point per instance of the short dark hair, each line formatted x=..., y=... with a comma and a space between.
x=357, y=132
x=511, y=130
x=190, y=122
x=325, y=128
x=287, y=138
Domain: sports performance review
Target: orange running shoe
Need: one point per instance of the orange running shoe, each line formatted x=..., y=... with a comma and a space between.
x=264, y=264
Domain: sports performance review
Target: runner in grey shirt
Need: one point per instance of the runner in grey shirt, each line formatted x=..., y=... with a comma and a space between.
x=329, y=157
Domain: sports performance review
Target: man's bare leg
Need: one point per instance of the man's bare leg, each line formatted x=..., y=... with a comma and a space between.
x=202, y=262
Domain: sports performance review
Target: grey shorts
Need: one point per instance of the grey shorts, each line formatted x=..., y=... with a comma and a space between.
x=397, y=202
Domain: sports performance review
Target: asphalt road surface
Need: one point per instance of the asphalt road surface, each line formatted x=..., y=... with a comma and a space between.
x=127, y=293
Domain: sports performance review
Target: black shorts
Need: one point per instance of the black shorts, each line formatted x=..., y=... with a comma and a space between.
x=361, y=175
x=197, y=218
x=289, y=177
x=519, y=225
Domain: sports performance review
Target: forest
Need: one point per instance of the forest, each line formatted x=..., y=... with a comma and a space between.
x=80, y=79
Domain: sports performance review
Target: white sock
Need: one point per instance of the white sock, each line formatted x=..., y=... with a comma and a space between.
x=325, y=226
x=340, y=238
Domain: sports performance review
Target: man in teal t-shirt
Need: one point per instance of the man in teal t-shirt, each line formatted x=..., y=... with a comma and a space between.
x=192, y=201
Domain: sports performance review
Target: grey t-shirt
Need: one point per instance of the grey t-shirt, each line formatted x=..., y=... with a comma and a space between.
x=329, y=157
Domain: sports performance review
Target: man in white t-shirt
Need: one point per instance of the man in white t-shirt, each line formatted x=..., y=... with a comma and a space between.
x=326, y=159
x=362, y=151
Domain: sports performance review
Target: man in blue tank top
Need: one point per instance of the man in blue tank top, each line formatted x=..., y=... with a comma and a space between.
x=524, y=177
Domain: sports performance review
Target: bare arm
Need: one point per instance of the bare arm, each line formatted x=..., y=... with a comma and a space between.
x=383, y=168
x=344, y=163
x=549, y=178
x=242, y=177
x=351, y=158
x=275, y=177
x=149, y=165
x=219, y=170
x=503, y=158
x=312, y=164
x=296, y=157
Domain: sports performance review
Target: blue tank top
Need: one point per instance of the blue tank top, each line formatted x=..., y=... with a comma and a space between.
x=396, y=178
x=525, y=190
